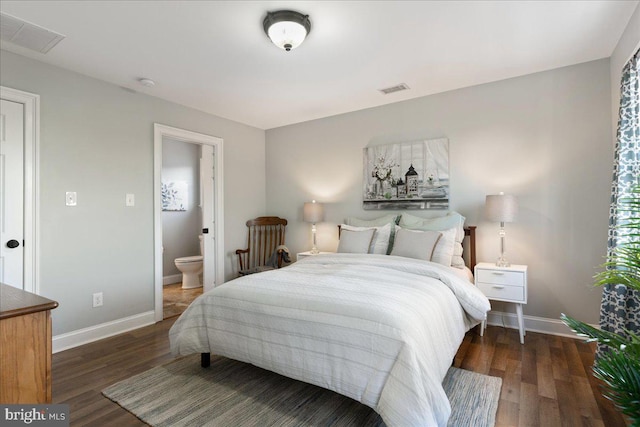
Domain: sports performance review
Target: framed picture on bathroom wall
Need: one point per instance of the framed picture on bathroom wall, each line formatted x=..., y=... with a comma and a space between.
x=408, y=175
x=175, y=196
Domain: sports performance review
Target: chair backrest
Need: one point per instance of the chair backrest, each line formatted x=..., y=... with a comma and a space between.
x=266, y=233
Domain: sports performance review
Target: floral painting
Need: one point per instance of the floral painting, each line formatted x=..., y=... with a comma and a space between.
x=174, y=196
x=409, y=175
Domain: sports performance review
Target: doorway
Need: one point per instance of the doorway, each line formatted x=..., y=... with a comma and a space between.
x=20, y=121
x=212, y=207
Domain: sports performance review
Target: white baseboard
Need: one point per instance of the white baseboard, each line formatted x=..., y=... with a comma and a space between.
x=104, y=330
x=533, y=324
x=170, y=280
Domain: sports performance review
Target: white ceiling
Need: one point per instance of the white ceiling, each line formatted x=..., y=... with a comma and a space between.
x=215, y=57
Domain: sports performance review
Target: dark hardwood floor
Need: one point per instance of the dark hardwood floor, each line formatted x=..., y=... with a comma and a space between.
x=546, y=382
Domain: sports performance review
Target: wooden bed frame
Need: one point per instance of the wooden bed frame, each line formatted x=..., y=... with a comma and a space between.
x=470, y=231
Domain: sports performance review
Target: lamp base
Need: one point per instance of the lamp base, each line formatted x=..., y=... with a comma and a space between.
x=314, y=249
x=502, y=262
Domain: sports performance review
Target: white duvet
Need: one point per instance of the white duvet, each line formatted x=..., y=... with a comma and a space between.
x=380, y=329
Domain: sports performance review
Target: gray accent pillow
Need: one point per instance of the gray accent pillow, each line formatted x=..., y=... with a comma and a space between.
x=377, y=222
x=442, y=223
x=415, y=244
x=380, y=241
x=355, y=242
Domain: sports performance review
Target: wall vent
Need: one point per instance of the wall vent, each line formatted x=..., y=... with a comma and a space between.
x=396, y=88
x=27, y=35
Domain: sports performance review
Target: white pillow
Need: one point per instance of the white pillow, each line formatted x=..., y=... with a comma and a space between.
x=415, y=244
x=442, y=223
x=443, y=252
x=379, y=242
x=356, y=242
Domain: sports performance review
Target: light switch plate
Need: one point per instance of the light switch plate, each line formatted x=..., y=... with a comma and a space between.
x=71, y=198
x=130, y=200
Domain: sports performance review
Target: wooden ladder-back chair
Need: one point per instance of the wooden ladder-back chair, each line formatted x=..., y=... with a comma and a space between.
x=266, y=234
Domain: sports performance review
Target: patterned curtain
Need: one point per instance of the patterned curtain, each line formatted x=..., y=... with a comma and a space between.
x=621, y=306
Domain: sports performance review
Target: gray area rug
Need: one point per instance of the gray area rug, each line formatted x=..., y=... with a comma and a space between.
x=231, y=393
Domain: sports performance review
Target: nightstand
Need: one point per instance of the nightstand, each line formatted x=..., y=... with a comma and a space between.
x=301, y=255
x=508, y=284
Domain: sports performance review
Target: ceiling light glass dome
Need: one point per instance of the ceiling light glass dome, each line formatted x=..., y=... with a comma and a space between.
x=286, y=29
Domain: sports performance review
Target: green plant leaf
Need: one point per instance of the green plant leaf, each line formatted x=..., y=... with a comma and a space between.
x=619, y=365
x=621, y=374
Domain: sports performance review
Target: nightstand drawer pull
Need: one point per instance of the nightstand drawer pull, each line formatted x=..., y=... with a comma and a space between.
x=497, y=273
x=498, y=286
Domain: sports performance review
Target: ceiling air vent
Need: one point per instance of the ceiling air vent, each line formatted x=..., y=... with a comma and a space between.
x=396, y=88
x=26, y=34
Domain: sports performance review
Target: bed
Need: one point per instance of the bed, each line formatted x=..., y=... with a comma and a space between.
x=381, y=329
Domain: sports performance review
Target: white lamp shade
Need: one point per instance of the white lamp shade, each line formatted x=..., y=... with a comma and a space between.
x=501, y=208
x=313, y=212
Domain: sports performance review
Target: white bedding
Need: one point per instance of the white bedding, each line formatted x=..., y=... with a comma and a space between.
x=380, y=329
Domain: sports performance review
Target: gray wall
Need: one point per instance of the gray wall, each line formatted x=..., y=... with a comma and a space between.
x=545, y=138
x=97, y=139
x=180, y=229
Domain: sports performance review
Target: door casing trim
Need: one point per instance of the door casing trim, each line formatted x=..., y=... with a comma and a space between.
x=31, y=104
x=160, y=131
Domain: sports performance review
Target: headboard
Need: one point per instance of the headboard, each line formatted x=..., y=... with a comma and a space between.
x=470, y=251
x=470, y=231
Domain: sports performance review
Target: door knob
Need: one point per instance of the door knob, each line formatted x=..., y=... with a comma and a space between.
x=13, y=244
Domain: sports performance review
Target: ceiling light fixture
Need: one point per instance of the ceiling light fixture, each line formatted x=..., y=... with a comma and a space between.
x=286, y=29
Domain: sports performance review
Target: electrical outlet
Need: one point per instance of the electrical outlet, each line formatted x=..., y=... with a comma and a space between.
x=97, y=299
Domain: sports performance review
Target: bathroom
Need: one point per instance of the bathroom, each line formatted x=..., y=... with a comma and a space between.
x=181, y=225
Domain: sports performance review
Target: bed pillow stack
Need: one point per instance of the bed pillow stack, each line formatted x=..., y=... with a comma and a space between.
x=447, y=248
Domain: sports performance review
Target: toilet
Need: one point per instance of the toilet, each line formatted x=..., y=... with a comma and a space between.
x=190, y=267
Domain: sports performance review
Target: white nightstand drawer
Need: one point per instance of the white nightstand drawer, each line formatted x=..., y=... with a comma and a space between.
x=500, y=277
x=502, y=292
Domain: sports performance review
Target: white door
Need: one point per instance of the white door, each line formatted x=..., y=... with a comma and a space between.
x=208, y=217
x=12, y=193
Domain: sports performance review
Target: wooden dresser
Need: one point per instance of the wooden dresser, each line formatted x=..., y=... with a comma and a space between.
x=25, y=346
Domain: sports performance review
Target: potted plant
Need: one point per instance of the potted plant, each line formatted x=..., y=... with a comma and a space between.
x=618, y=365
